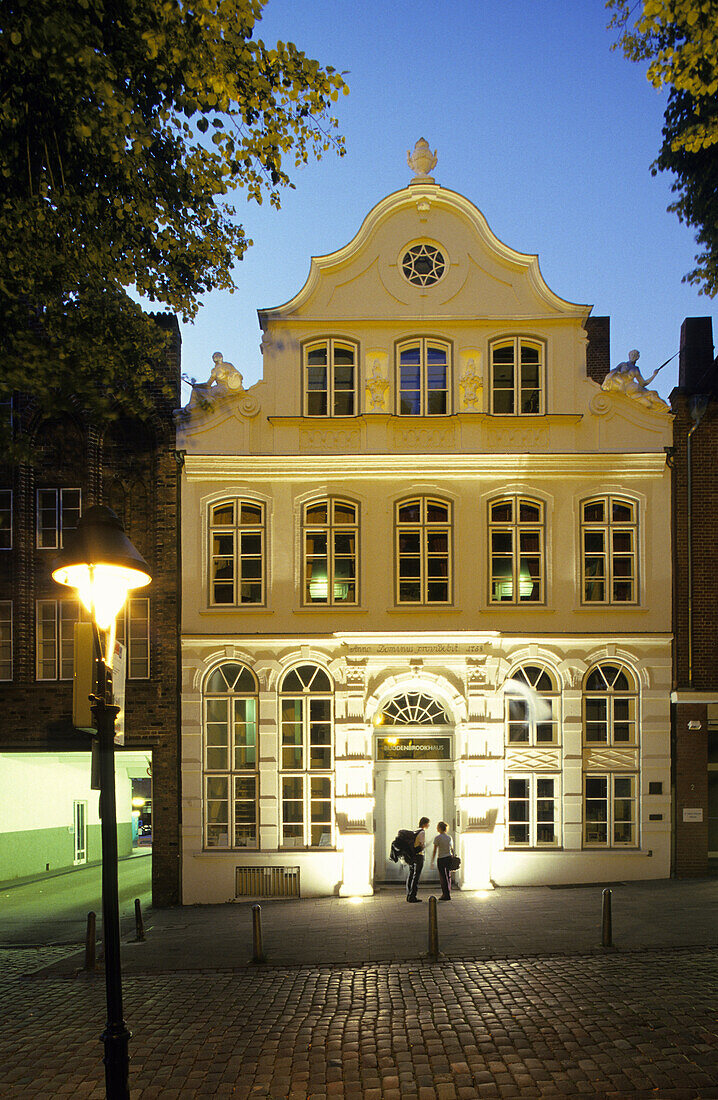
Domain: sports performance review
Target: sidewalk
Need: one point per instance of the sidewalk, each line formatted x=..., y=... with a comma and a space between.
x=503, y=923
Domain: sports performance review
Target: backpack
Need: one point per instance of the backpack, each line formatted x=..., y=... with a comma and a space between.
x=403, y=846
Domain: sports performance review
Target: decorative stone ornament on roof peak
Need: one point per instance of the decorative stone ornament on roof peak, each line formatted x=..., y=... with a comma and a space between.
x=421, y=162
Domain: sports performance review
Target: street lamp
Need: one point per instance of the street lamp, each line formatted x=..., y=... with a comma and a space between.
x=99, y=561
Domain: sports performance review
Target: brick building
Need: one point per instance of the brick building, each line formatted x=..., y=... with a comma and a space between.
x=695, y=601
x=49, y=816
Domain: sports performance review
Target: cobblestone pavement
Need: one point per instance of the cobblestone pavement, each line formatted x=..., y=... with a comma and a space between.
x=618, y=1024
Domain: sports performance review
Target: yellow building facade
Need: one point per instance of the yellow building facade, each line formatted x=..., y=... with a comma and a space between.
x=426, y=572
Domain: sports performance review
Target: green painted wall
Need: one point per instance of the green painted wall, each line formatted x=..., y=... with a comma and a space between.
x=28, y=852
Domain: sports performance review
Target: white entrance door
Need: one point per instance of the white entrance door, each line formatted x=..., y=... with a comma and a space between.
x=80, y=822
x=405, y=792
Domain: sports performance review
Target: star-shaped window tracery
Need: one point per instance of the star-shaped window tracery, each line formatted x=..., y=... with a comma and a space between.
x=423, y=264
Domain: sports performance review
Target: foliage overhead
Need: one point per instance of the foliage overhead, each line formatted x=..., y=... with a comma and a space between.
x=679, y=39
x=125, y=127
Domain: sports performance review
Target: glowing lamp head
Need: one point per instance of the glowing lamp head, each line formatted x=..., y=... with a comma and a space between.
x=99, y=561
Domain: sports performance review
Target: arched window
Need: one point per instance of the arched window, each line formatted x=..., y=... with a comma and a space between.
x=609, y=534
x=413, y=708
x=517, y=376
x=609, y=706
x=236, y=553
x=331, y=537
x=330, y=378
x=610, y=806
x=423, y=551
x=424, y=369
x=516, y=548
x=307, y=758
x=230, y=702
x=531, y=707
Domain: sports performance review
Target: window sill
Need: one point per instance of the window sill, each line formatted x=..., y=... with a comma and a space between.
x=235, y=609
x=492, y=608
x=434, y=608
x=612, y=607
x=334, y=608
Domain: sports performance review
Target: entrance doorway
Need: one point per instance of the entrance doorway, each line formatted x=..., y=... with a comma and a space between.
x=406, y=791
x=80, y=829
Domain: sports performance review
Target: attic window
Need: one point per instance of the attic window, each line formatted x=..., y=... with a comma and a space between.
x=423, y=264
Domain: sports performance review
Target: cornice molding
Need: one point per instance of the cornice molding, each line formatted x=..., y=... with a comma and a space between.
x=424, y=467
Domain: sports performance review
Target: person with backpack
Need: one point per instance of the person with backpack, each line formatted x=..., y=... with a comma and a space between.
x=415, y=869
x=444, y=849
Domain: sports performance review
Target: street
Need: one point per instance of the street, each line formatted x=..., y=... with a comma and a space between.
x=54, y=910
x=522, y=1002
x=619, y=1025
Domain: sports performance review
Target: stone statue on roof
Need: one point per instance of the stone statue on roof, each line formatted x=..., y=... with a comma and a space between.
x=627, y=378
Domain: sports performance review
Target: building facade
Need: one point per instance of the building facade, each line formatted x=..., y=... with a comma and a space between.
x=425, y=572
x=694, y=464
x=50, y=822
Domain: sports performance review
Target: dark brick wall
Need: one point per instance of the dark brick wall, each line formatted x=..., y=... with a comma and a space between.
x=132, y=467
x=691, y=788
x=695, y=667
x=598, y=352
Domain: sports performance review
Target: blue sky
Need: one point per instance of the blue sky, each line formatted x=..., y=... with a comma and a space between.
x=535, y=119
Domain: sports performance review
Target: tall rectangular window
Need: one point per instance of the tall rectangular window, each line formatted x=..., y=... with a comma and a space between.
x=330, y=535
x=516, y=548
x=517, y=377
x=230, y=758
x=330, y=378
x=424, y=372
x=610, y=811
x=306, y=758
x=236, y=553
x=5, y=519
x=532, y=808
x=54, y=638
x=6, y=670
x=609, y=534
x=423, y=551
x=58, y=511
x=133, y=630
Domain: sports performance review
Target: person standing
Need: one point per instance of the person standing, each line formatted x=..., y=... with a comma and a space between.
x=444, y=849
x=412, y=882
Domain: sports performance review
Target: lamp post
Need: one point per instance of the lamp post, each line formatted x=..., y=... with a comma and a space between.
x=99, y=561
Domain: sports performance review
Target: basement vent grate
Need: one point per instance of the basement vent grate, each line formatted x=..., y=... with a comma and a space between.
x=267, y=882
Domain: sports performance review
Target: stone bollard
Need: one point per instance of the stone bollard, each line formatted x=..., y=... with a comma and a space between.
x=90, y=942
x=139, y=924
x=433, y=929
x=606, y=922
x=258, y=955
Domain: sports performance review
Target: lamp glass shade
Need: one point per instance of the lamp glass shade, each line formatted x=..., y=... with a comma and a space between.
x=102, y=564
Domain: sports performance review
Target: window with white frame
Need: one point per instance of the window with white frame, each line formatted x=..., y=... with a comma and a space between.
x=532, y=811
x=330, y=536
x=609, y=535
x=610, y=810
x=55, y=638
x=236, y=553
x=516, y=550
x=230, y=701
x=58, y=511
x=330, y=378
x=5, y=519
x=6, y=640
x=423, y=551
x=531, y=701
x=307, y=759
x=610, y=700
x=424, y=368
x=517, y=377
x=133, y=630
